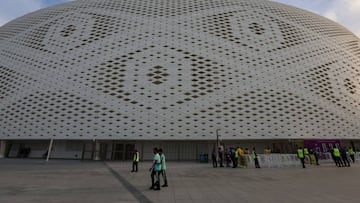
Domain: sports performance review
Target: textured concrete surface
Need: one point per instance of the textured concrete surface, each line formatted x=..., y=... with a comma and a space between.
x=75, y=181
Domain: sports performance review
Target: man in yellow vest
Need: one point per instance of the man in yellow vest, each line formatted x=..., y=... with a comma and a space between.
x=236, y=157
x=306, y=151
x=136, y=159
x=300, y=154
x=255, y=157
x=337, y=158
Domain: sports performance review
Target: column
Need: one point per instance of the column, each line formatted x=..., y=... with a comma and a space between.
x=97, y=151
x=2, y=148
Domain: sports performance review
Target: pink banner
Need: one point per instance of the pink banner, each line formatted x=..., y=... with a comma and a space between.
x=321, y=145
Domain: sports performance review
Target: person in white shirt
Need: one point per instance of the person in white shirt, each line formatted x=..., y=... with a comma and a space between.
x=163, y=167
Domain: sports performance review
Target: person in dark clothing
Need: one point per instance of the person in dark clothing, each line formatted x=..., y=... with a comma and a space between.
x=228, y=158
x=221, y=156
x=316, y=155
x=255, y=157
x=44, y=156
x=236, y=158
x=232, y=156
x=345, y=160
x=213, y=158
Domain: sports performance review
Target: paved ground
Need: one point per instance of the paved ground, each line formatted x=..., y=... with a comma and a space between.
x=107, y=182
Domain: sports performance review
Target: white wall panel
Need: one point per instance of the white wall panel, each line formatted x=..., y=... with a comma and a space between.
x=177, y=71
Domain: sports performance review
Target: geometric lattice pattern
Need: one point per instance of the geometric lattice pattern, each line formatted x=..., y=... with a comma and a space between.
x=176, y=70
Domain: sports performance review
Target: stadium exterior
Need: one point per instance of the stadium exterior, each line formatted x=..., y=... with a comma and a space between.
x=101, y=77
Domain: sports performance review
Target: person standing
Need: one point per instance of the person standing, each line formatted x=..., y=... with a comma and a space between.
x=246, y=156
x=316, y=155
x=163, y=167
x=255, y=157
x=300, y=153
x=155, y=170
x=332, y=154
x=343, y=153
x=307, y=155
x=236, y=157
x=221, y=155
x=351, y=154
x=240, y=156
x=136, y=159
x=213, y=158
x=337, y=158
x=228, y=157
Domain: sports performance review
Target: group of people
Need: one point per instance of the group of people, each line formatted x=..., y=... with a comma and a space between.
x=305, y=153
x=157, y=169
x=340, y=156
x=233, y=156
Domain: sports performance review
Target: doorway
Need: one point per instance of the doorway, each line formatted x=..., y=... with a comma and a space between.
x=123, y=151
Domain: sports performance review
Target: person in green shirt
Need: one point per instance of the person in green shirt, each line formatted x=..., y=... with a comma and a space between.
x=155, y=170
x=163, y=167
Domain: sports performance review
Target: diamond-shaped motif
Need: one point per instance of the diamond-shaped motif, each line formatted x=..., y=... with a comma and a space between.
x=157, y=75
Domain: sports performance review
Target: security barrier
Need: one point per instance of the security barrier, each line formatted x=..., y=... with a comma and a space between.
x=275, y=161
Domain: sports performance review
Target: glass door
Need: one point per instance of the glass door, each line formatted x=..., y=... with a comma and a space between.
x=118, y=152
x=129, y=150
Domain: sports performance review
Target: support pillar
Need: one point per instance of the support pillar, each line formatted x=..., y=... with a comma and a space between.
x=3, y=144
x=96, y=156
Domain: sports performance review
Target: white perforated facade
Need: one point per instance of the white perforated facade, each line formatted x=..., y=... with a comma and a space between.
x=178, y=70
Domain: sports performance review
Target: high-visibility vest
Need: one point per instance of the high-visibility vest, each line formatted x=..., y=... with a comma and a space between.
x=136, y=156
x=351, y=151
x=236, y=154
x=336, y=152
x=306, y=151
x=300, y=153
x=254, y=155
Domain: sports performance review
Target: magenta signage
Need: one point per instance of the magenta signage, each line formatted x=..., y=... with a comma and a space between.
x=322, y=145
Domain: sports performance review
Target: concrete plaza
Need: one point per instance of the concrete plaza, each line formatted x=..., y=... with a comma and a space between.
x=67, y=181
